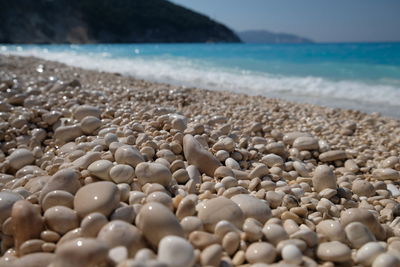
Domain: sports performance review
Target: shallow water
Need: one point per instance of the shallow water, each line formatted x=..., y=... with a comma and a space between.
x=355, y=76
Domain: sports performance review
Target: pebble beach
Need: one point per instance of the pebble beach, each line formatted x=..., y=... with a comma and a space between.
x=99, y=169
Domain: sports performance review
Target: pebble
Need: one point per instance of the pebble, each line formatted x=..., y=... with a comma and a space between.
x=386, y=174
x=306, y=143
x=92, y=223
x=61, y=219
x=34, y=260
x=7, y=200
x=153, y=173
x=81, y=252
x=253, y=207
x=128, y=155
x=86, y=110
x=323, y=178
x=334, y=251
x=333, y=230
x=211, y=255
x=175, y=252
x=119, y=233
x=368, y=253
x=365, y=217
x=27, y=222
x=260, y=252
x=291, y=254
x=58, y=198
x=65, y=179
x=68, y=133
x=20, y=158
x=101, y=169
x=100, y=197
x=122, y=173
x=358, y=234
x=332, y=155
x=156, y=216
x=386, y=260
x=89, y=124
x=196, y=155
x=363, y=188
x=214, y=210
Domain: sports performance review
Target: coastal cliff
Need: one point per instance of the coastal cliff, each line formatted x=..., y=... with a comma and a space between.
x=106, y=21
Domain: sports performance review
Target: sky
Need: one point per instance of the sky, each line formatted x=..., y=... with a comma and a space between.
x=320, y=20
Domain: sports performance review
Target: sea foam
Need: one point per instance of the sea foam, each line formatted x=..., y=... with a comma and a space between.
x=350, y=94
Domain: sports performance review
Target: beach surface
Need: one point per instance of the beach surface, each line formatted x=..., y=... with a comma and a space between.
x=100, y=169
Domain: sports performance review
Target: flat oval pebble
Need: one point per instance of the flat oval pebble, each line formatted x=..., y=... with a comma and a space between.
x=386, y=260
x=86, y=110
x=81, y=252
x=306, y=143
x=65, y=179
x=121, y=173
x=332, y=155
x=365, y=217
x=253, y=207
x=260, y=252
x=20, y=158
x=175, y=252
x=57, y=198
x=386, y=174
x=153, y=173
x=368, y=252
x=214, y=210
x=363, y=188
x=196, y=155
x=334, y=251
x=358, y=234
x=61, y=219
x=156, y=216
x=101, y=169
x=100, y=197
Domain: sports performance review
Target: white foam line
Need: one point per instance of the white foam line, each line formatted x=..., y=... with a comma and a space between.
x=316, y=90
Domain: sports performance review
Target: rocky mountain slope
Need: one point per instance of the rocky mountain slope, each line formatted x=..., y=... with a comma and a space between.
x=106, y=21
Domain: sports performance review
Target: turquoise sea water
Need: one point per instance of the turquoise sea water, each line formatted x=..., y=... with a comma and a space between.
x=357, y=76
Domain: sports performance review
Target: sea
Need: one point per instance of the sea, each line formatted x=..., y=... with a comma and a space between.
x=361, y=76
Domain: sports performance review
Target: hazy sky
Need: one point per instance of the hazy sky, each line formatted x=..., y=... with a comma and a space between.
x=321, y=20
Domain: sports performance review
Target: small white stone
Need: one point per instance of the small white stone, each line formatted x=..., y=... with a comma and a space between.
x=367, y=253
x=118, y=254
x=175, y=252
x=292, y=254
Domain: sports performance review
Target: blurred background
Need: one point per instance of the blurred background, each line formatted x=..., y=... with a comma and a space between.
x=334, y=53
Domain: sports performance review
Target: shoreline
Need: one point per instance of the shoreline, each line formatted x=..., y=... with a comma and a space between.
x=230, y=179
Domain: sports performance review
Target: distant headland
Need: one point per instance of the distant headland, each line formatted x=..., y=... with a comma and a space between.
x=262, y=36
x=106, y=21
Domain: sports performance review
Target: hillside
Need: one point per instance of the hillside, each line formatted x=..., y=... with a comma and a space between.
x=262, y=36
x=106, y=21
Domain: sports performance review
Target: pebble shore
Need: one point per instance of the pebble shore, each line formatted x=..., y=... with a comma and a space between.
x=99, y=169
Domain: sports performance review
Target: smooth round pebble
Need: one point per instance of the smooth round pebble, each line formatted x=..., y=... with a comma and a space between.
x=291, y=254
x=121, y=173
x=260, y=252
x=61, y=219
x=100, y=197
